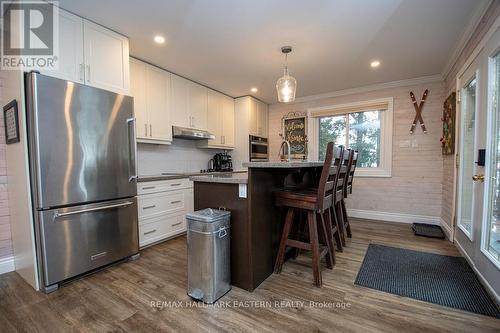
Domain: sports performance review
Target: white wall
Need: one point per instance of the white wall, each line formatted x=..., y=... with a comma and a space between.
x=180, y=156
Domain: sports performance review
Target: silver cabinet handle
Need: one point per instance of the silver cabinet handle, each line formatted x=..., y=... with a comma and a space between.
x=149, y=187
x=88, y=73
x=178, y=184
x=176, y=224
x=149, y=207
x=150, y=130
x=94, y=209
x=150, y=232
x=132, y=150
x=174, y=202
x=146, y=129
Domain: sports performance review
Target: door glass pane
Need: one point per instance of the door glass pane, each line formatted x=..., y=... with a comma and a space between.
x=492, y=231
x=364, y=136
x=331, y=129
x=468, y=118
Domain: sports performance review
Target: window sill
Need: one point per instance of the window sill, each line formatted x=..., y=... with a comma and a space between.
x=373, y=173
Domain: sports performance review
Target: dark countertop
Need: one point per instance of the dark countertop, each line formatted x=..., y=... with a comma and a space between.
x=278, y=164
x=223, y=177
x=169, y=176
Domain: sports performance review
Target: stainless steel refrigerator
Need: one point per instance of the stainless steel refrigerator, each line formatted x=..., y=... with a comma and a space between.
x=82, y=154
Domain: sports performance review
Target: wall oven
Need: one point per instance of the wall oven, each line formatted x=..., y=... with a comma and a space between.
x=259, y=149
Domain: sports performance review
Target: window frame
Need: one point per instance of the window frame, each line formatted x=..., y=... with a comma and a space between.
x=386, y=131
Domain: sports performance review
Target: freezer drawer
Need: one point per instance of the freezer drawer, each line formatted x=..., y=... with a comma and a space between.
x=82, y=238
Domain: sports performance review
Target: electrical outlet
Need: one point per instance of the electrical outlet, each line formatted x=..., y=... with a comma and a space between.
x=242, y=190
x=414, y=143
x=404, y=144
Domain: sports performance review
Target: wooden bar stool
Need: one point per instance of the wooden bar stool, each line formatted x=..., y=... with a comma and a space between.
x=338, y=195
x=353, y=160
x=317, y=205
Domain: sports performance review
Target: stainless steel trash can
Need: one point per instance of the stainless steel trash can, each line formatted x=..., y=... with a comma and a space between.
x=209, y=271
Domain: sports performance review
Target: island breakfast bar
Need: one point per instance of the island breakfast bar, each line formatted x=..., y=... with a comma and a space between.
x=256, y=223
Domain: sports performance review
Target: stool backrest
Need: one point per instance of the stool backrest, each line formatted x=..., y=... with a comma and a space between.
x=350, y=178
x=340, y=185
x=325, y=185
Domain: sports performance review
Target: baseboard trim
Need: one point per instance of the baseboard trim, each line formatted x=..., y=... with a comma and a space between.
x=483, y=281
x=393, y=217
x=7, y=265
x=446, y=228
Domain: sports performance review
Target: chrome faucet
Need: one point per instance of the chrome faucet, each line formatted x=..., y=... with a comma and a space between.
x=288, y=154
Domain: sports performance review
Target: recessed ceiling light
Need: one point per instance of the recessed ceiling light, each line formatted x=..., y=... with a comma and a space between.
x=375, y=63
x=254, y=90
x=159, y=39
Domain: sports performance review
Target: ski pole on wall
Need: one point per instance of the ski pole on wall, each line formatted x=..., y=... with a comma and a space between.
x=418, y=111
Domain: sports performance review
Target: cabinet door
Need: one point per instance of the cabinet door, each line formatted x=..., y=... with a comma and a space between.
x=262, y=119
x=106, y=58
x=70, y=60
x=198, y=106
x=138, y=91
x=214, y=118
x=253, y=127
x=228, y=121
x=180, y=96
x=157, y=103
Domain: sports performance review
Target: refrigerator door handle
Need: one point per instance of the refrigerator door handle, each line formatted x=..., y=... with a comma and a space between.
x=132, y=150
x=93, y=209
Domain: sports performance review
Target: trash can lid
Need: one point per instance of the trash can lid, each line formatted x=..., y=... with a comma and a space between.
x=208, y=215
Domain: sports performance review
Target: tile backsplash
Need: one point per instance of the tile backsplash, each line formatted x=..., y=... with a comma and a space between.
x=180, y=156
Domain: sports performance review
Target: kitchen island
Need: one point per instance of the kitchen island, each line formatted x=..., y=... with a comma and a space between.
x=256, y=223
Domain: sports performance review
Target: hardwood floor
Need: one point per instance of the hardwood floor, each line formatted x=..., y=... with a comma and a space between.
x=119, y=298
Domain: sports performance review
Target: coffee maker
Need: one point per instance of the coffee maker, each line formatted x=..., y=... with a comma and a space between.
x=222, y=162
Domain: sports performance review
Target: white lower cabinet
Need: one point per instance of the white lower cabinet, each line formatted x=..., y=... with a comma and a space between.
x=162, y=208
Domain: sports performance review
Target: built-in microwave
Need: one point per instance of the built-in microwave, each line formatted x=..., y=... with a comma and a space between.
x=258, y=149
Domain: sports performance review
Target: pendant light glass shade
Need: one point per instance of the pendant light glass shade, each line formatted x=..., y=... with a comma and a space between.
x=286, y=85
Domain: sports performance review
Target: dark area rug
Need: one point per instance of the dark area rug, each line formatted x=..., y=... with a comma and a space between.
x=434, y=278
x=428, y=230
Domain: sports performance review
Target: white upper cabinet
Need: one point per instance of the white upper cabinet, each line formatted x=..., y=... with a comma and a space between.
x=228, y=121
x=106, y=58
x=180, y=102
x=138, y=91
x=151, y=88
x=220, y=121
x=189, y=104
x=70, y=60
x=258, y=118
x=198, y=105
x=157, y=103
x=91, y=54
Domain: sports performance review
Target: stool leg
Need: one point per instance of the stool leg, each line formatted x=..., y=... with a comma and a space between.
x=284, y=237
x=348, y=225
x=338, y=239
x=327, y=228
x=313, y=236
x=340, y=221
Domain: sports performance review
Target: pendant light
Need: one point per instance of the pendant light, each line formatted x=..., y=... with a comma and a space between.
x=286, y=85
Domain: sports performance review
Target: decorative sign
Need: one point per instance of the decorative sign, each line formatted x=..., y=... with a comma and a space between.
x=449, y=118
x=295, y=132
x=11, y=122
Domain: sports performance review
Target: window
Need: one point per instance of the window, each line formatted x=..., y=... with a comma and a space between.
x=364, y=126
x=490, y=243
x=359, y=131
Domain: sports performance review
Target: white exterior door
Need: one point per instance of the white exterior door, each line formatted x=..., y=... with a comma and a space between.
x=477, y=231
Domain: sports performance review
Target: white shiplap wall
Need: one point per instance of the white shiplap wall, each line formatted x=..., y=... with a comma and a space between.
x=415, y=186
x=5, y=235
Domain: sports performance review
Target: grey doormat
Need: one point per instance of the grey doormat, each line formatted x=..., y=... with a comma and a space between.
x=428, y=230
x=434, y=278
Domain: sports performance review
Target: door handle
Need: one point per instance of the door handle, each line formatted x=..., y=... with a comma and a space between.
x=478, y=178
x=94, y=209
x=132, y=150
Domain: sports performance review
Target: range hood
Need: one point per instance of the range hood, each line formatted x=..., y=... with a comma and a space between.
x=191, y=133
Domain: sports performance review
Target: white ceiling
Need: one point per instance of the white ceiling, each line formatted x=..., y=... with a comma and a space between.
x=233, y=45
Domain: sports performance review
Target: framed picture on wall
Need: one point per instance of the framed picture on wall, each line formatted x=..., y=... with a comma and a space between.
x=449, y=120
x=11, y=123
x=294, y=130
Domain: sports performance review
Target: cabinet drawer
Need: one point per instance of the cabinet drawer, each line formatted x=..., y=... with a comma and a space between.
x=151, y=205
x=163, y=185
x=159, y=228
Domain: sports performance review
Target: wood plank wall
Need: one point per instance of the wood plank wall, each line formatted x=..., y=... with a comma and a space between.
x=415, y=186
